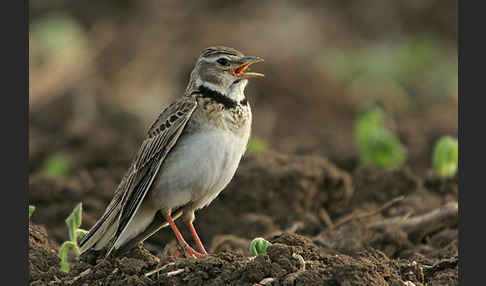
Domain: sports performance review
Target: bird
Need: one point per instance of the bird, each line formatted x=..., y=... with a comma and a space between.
x=189, y=155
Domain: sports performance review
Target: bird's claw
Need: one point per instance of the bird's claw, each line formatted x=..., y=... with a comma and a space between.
x=189, y=252
x=194, y=254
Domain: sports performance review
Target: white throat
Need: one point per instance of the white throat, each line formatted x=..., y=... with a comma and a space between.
x=234, y=91
x=237, y=90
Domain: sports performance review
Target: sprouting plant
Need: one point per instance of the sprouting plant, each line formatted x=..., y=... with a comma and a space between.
x=445, y=156
x=73, y=222
x=259, y=246
x=256, y=145
x=376, y=144
x=57, y=165
x=31, y=210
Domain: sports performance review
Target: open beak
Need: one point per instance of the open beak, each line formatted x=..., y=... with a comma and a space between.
x=246, y=62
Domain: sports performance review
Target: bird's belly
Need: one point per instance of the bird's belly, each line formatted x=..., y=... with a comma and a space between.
x=198, y=168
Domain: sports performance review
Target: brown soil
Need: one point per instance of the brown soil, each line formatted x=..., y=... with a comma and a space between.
x=280, y=266
x=304, y=205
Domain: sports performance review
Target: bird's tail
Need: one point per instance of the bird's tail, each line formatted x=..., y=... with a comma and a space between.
x=104, y=232
x=105, y=228
x=157, y=223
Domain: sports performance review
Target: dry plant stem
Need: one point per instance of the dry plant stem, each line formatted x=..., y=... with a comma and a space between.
x=426, y=223
x=353, y=215
x=175, y=272
x=265, y=281
x=82, y=274
x=158, y=269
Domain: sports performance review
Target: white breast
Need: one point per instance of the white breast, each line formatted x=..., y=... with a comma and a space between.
x=199, y=167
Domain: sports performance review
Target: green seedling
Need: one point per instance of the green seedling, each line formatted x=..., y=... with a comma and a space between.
x=259, y=246
x=256, y=145
x=445, y=156
x=73, y=222
x=376, y=144
x=31, y=210
x=57, y=165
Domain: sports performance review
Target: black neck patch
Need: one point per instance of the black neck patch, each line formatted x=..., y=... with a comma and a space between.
x=227, y=102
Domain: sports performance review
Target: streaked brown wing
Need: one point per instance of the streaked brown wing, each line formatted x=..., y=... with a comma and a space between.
x=136, y=183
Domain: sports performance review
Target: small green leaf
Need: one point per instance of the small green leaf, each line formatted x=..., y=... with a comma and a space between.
x=63, y=254
x=446, y=156
x=256, y=145
x=73, y=221
x=57, y=165
x=376, y=145
x=259, y=246
x=31, y=210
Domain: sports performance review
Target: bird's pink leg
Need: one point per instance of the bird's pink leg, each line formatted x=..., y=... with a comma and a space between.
x=200, y=246
x=188, y=250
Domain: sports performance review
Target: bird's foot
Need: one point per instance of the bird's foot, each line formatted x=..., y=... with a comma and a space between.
x=188, y=252
x=192, y=253
x=177, y=254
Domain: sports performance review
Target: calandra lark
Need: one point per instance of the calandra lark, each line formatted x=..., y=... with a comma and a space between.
x=190, y=154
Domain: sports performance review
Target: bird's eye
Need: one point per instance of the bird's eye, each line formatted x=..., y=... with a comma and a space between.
x=223, y=61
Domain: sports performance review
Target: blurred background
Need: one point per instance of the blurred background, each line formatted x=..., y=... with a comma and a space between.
x=325, y=62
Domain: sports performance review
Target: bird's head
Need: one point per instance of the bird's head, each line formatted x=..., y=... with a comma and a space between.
x=224, y=70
